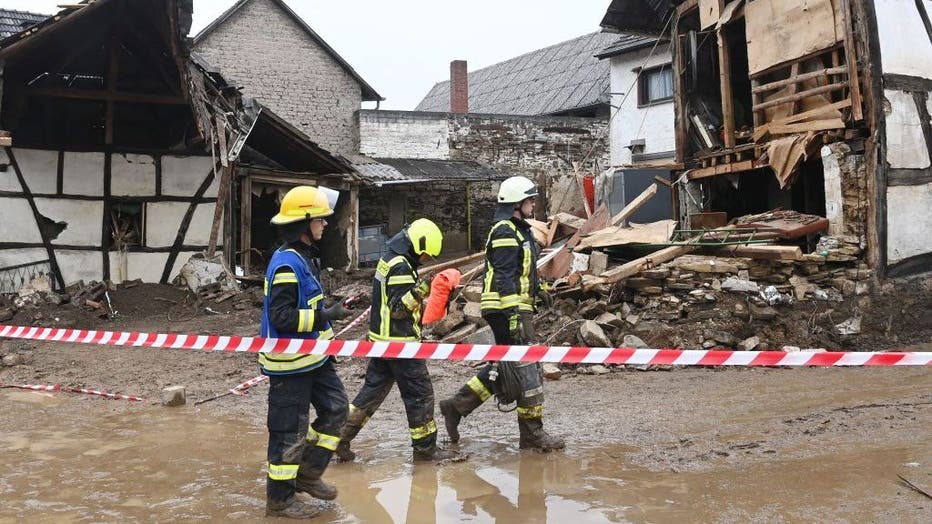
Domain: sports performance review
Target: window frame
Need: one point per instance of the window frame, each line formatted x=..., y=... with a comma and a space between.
x=643, y=75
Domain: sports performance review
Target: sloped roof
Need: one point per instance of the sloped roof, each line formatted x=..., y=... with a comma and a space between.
x=626, y=44
x=646, y=17
x=368, y=93
x=382, y=171
x=554, y=79
x=12, y=22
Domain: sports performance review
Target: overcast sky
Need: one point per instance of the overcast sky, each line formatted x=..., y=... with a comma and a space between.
x=403, y=47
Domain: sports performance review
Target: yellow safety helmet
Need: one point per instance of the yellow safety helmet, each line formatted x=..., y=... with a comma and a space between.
x=426, y=237
x=302, y=203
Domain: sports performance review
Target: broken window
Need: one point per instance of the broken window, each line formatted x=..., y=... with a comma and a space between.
x=655, y=85
x=126, y=225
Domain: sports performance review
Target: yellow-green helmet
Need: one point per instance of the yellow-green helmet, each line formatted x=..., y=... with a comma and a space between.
x=302, y=203
x=426, y=237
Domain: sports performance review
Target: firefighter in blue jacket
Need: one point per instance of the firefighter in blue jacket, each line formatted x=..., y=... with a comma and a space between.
x=509, y=293
x=397, y=298
x=299, y=451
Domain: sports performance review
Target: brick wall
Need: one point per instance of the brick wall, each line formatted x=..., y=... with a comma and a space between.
x=263, y=49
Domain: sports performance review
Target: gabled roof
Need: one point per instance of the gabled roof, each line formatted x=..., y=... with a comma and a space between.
x=555, y=79
x=368, y=93
x=647, y=17
x=12, y=22
x=626, y=44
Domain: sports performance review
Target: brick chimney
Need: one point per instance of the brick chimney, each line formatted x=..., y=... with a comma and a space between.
x=459, y=87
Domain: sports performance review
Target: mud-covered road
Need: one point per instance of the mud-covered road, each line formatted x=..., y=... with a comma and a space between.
x=735, y=445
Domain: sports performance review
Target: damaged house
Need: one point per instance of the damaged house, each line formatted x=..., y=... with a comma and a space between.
x=817, y=106
x=122, y=151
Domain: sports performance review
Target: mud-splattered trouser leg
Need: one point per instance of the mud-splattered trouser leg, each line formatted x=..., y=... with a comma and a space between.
x=379, y=381
x=417, y=393
x=290, y=399
x=478, y=389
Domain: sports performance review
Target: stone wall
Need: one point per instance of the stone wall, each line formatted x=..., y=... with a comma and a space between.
x=263, y=49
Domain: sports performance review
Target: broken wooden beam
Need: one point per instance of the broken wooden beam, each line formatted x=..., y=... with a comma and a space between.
x=634, y=205
x=805, y=127
x=798, y=78
x=436, y=268
x=760, y=252
x=724, y=169
x=799, y=96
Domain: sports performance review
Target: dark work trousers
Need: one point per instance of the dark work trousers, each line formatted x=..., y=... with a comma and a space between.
x=498, y=322
x=290, y=399
x=417, y=393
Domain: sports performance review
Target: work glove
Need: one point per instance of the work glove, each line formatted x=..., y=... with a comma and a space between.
x=516, y=327
x=422, y=289
x=546, y=299
x=335, y=312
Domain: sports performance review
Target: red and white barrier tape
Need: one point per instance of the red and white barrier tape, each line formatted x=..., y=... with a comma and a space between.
x=436, y=351
x=241, y=389
x=59, y=387
x=354, y=323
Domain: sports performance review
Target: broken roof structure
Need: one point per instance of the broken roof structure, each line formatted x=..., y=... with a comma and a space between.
x=13, y=22
x=563, y=79
x=389, y=171
x=123, y=151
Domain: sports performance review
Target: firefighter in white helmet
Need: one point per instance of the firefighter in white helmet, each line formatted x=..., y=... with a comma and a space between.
x=509, y=293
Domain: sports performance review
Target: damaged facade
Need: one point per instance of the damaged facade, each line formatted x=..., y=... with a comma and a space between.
x=118, y=150
x=819, y=106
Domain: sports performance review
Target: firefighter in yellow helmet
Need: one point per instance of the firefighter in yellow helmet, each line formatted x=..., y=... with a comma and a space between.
x=299, y=451
x=509, y=293
x=397, y=298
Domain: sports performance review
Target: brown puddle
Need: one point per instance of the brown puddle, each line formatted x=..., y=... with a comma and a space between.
x=76, y=460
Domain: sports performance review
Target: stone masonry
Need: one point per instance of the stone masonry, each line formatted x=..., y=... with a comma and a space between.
x=261, y=48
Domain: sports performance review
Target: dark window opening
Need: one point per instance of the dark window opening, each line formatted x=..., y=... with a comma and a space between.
x=126, y=225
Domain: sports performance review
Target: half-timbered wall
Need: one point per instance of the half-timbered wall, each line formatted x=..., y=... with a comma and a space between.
x=58, y=206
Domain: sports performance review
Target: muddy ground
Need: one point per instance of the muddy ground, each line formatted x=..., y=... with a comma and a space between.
x=849, y=432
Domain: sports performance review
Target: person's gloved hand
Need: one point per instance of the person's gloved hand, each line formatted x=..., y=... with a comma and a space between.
x=422, y=289
x=336, y=312
x=546, y=299
x=515, y=327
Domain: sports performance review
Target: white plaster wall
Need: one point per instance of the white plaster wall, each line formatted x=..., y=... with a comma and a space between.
x=39, y=167
x=17, y=224
x=658, y=128
x=906, y=146
x=130, y=266
x=83, y=173
x=908, y=221
x=15, y=257
x=394, y=135
x=182, y=175
x=834, y=196
x=163, y=219
x=905, y=48
x=84, y=219
x=132, y=175
x=80, y=265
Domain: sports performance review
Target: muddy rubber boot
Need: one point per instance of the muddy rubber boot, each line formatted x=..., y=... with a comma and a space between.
x=533, y=436
x=354, y=422
x=437, y=454
x=310, y=482
x=455, y=408
x=344, y=453
x=292, y=509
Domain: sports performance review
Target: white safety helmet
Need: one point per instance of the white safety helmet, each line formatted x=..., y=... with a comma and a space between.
x=332, y=195
x=516, y=189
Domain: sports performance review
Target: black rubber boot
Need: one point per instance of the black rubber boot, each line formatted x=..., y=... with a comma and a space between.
x=533, y=436
x=437, y=454
x=354, y=423
x=312, y=467
x=455, y=408
x=291, y=509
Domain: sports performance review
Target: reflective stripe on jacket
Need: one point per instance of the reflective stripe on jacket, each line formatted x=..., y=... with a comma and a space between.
x=288, y=267
x=510, y=267
x=396, y=308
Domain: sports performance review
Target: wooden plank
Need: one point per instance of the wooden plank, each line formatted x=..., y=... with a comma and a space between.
x=245, y=226
x=634, y=205
x=558, y=263
x=795, y=78
x=113, y=74
x=805, y=127
x=552, y=231
x=765, y=252
x=571, y=221
x=659, y=179
x=223, y=193
x=812, y=113
x=634, y=267
x=102, y=95
x=728, y=109
x=799, y=96
x=851, y=57
x=436, y=268
x=724, y=169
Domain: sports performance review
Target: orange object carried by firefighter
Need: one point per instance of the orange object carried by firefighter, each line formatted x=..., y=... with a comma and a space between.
x=440, y=289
